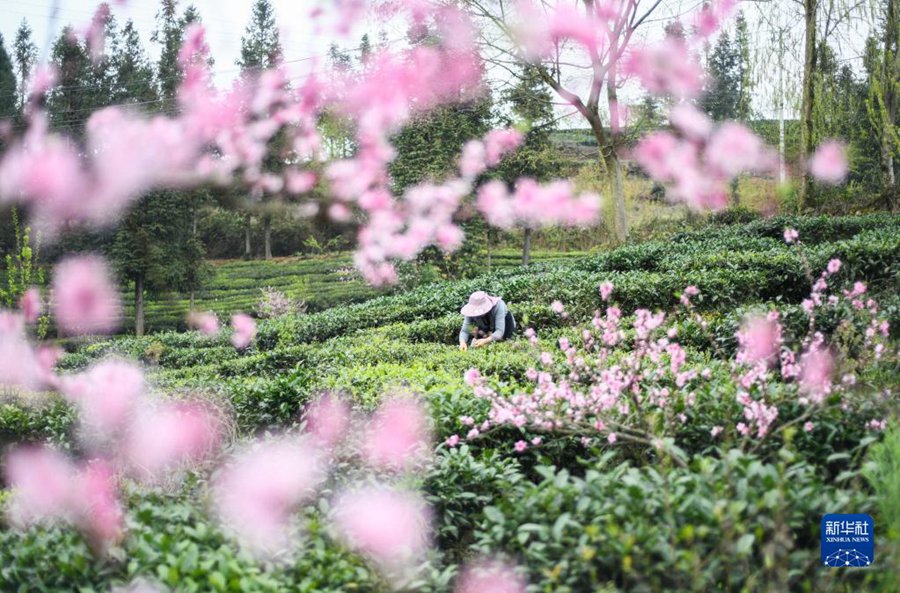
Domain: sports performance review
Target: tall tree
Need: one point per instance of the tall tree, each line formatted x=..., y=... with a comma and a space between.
x=260, y=50
x=616, y=36
x=744, y=107
x=261, y=42
x=83, y=85
x=531, y=102
x=8, y=103
x=722, y=94
x=884, y=97
x=25, y=54
x=134, y=81
x=807, y=96
x=155, y=251
x=169, y=35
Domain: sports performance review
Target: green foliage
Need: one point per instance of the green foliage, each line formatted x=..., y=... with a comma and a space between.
x=726, y=524
x=22, y=271
x=8, y=85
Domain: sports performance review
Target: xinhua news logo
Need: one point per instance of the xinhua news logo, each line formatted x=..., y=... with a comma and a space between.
x=848, y=540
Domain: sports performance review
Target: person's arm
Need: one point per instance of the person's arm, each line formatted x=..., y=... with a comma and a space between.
x=464, y=332
x=500, y=311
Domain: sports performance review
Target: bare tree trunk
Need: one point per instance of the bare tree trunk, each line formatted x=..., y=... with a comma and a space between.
x=890, y=71
x=617, y=191
x=267, y=235
x=810, y=8
x=193, y=235
x=735, y=194
x=526, y=247
x=782, y=171
x=139, y=305
x=248, y=253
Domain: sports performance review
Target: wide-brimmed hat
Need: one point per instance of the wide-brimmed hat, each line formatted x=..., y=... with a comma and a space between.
x=479, y=303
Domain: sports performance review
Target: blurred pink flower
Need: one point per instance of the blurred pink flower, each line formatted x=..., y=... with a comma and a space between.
x=734, y=149
x=30, y=305
x=390, y=527
x=42, y=481
x=106, y=395
x=666, y=68
x=206, y=323
x=472, y=377
x=499, y=143
x=328, y=419
x=791, y=235
x=167, y=435
x=690, y=121
x=244, y=330
x=759, y=339
x=815, y=375
x=258, y=492
x=606, y=290
x=489, y=577
x=85, y=297
x=829, y=163
x=397, y=435
x=95, y=501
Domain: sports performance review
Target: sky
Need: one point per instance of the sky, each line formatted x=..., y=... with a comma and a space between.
x=225, y=21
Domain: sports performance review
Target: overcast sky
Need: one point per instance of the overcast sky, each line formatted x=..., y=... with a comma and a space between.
x=226, y=19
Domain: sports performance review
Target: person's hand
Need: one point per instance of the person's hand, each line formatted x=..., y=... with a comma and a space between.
x=481, y=342
x=463, y=346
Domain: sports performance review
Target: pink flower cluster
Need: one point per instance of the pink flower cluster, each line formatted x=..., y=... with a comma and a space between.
x=696, y=161
x=534, y=206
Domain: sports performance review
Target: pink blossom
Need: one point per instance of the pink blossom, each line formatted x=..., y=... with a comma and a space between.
x=829, y=163
x=499, y=143
x=42, y=480
x=30, y=305
x=391, y=527
x=472, y=377
x=611, y=438
x=474, y=159
x=606, y=289
x=95, y=501
x=167, y=435
x=690, y=121
x=733, y=149
x=19, y=365
x=716, y=431
x=299, y=182
x=397, y=435
x=106, y=395
x=452, y=441
x=834, y=266
x=808, y=426
x=815, y=376
x=259, y=490
x=244, y=330
x=489, y=577
x=759, y=339
x=95, y=35
x=666, y=68
x=206, y=323
x=557, y=307
x=520, y=446
x=328, y=419
x=791, y=235
x=85, y=298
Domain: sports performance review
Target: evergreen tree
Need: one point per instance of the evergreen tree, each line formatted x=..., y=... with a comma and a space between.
x=8, y=103
x=365, y=49
x=155, y=249
x=722, y=94
x=169, y=35
x=260, y=50
x=25, y=54
x=83, y=86
x=261, y=43
x=744, y=106
x=134, y=81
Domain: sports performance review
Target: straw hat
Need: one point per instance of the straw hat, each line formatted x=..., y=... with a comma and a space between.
x=479, y=303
